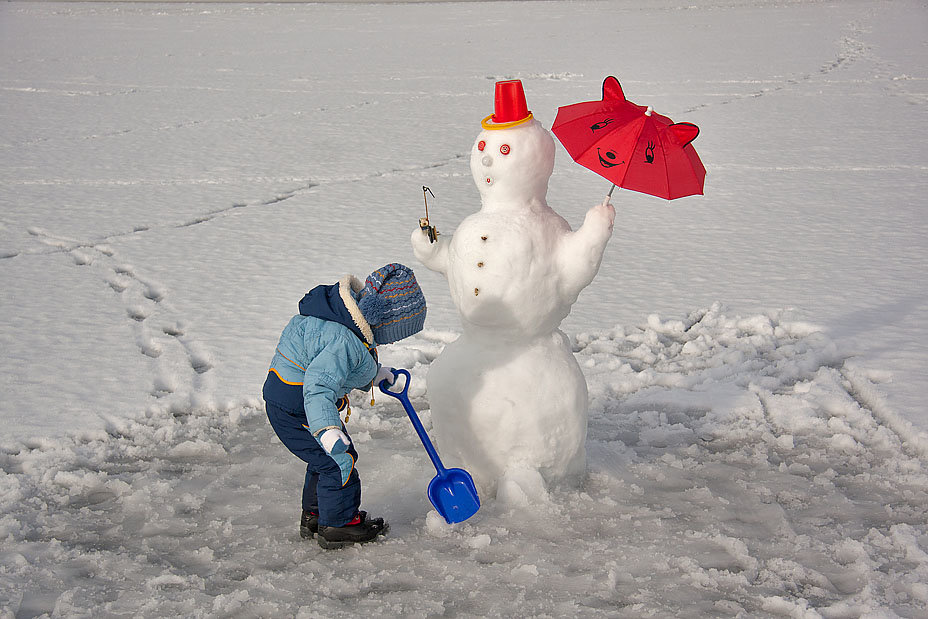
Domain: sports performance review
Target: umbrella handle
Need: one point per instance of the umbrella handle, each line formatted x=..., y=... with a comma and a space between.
x=609, y=195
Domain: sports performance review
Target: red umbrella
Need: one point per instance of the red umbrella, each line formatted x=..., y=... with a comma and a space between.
x=631, y=145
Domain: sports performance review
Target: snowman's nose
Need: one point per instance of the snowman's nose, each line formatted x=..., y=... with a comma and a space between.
x=487, y=160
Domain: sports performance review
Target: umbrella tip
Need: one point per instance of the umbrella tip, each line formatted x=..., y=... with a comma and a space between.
x=649, y=111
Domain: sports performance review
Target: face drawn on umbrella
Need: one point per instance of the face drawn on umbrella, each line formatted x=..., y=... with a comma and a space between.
x=608, y=161
x=602, y=124
x=649, y=153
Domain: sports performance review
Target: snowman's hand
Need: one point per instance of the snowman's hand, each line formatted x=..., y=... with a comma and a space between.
x=597, y=227
x=604, y=212
x=433, y=255
x=581, y=251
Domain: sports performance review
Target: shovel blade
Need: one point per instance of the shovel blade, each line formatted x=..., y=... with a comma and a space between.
x=454, y=496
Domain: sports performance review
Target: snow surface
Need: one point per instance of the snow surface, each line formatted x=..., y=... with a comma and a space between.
x=174, y=178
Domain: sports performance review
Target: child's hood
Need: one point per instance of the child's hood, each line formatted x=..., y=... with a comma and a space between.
x=338, y=303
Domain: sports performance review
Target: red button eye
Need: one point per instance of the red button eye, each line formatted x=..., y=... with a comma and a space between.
x=504, y=149
x=481, y=145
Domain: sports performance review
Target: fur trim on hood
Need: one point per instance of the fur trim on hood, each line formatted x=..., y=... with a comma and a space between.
x=348, y=286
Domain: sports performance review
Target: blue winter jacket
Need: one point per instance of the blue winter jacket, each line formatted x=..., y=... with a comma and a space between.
x=326, y=350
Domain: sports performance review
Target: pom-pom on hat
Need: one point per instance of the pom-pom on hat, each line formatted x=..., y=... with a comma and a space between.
x=392, y=303
x=510, y=108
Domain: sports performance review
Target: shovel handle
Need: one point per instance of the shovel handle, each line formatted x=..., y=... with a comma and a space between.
x=385, y=387
x=403, y=397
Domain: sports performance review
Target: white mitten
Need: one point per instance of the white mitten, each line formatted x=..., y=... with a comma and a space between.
x=334, y=441
x=384, y=373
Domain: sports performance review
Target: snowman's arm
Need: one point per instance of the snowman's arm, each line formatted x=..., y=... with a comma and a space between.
x=581, y=252
x=432, y=255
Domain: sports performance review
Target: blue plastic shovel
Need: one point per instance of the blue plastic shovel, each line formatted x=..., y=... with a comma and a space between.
x=452, y=491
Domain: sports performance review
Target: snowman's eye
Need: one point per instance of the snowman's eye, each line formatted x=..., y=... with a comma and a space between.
x=504, y=149
x=481, y=145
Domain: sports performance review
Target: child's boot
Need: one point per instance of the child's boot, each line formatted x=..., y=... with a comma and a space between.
x=360, y=530
x=309, y=524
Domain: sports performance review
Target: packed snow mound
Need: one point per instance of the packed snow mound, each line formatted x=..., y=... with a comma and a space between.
x=737, y=466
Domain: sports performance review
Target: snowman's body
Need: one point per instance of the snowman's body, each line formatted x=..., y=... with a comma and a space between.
x=508, y=394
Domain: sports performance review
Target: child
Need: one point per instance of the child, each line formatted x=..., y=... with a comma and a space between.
x=323, y=353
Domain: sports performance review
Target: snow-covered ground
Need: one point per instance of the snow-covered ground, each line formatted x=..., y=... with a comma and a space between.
x=174, y=177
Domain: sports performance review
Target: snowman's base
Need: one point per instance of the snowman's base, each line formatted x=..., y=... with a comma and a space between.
x=499, y=408
x=521, y=488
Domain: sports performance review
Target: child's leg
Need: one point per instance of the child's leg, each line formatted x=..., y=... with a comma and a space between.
x=310, y=499
x=337, y=503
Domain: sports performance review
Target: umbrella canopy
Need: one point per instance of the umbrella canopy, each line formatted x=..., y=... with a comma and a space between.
x=631, y=145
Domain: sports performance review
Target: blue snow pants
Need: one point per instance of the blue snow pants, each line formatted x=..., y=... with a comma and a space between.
x=323, y=492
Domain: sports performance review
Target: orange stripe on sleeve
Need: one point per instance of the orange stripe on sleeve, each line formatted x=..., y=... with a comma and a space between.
x=291, y=361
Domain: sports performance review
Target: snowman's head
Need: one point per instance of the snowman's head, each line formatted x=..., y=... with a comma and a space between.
x=512, y=166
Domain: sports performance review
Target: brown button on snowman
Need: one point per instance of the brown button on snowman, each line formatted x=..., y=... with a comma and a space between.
x=508, y=399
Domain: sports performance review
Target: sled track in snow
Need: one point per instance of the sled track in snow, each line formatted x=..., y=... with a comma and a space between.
x=734, y=468
x=850, y=48
x=292, y=187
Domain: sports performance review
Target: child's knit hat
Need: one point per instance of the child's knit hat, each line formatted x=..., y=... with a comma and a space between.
x=392, y=303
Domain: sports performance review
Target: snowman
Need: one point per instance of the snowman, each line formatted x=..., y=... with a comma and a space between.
x=508, y=399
